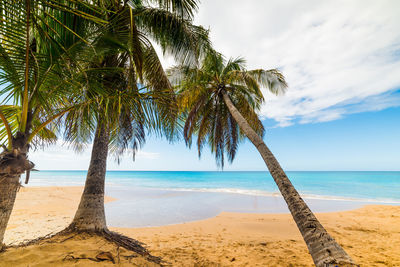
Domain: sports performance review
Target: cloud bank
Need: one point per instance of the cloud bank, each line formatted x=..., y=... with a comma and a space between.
x=339, y=57
x=61, y=156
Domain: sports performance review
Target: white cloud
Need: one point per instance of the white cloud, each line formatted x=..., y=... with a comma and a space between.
x=142, y=154
x=147, y=155
x=339, y=56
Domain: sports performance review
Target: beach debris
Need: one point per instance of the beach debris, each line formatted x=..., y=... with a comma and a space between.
x=104, y=256
x=70, y=257
x=130, y=257
x=118, y=257
x=233, y=259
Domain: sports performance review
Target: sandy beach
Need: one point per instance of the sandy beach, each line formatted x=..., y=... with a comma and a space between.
x=371, y=235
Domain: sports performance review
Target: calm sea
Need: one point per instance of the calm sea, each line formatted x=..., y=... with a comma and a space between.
x=160, y=198
x=366, y=186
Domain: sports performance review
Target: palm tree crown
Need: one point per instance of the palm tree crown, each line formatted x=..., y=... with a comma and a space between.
x=37, y=43
x=125, y=70
x=201, y=100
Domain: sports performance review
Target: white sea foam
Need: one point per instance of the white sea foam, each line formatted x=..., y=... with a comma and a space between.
x=277, y=194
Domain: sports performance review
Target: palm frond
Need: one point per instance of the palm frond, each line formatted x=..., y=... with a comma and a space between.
x=272, y=79
x=182, y=8
x=176, y=35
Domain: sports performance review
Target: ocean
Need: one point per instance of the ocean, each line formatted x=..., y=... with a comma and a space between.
x=151, y=198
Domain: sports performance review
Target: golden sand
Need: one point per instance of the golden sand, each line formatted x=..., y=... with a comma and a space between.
x=371, y=235
x=40, y=211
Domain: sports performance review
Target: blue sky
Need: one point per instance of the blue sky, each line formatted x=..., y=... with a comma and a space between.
x=363, y=141
x=342, y=109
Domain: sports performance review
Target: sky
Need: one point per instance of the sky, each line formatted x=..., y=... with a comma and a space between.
x=342, y=108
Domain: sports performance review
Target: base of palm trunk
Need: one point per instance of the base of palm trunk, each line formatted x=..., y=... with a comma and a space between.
x=113, y=237
x=86, y=228
x=90, y=214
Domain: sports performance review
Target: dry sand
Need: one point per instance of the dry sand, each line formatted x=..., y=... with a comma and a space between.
x=371, y=235
x=40, y=211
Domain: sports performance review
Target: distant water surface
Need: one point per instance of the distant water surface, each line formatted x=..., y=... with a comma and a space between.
x=149, y=198
x=367, y=186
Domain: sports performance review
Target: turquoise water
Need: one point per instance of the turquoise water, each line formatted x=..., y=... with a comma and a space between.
x=161, y=198
x=363, y=186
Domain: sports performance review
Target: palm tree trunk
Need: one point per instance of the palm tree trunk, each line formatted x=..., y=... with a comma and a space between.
x=90, y=214
x=12, y=165
x=322, y=247
x=9, y=185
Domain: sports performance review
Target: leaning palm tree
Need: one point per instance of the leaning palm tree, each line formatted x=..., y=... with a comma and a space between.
x=36, y=43
x=140, y=97
x=220, y=100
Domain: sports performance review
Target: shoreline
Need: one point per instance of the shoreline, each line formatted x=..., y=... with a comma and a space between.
x=370, y=186
x=248, y=192
x=153, y=207
x=370, y=234
x=144, y=207
x=261, y=193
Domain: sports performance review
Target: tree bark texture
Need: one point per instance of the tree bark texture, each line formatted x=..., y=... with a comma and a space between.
x=9, y=185
x=90, y=215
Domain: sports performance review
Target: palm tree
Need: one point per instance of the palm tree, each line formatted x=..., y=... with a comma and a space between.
x=140, y=97
x=36, y=43
x=220, y=100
